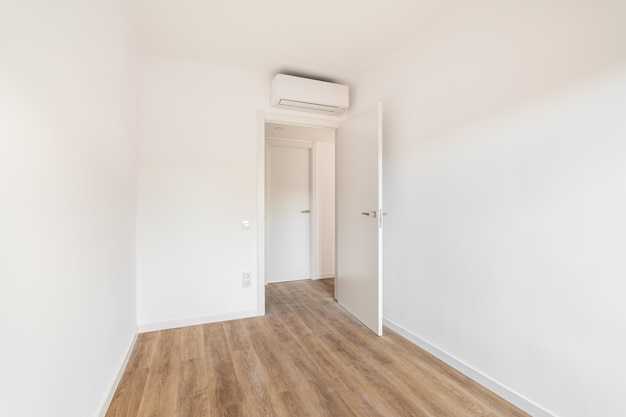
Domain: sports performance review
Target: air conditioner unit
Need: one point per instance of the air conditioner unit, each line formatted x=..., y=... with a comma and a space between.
x=304, y=94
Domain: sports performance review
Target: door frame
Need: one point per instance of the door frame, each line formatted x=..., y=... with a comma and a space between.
x=262, y=118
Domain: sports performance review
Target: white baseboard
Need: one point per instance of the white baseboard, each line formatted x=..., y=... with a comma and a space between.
x=324, y=276
x=487, y=382
x=193, y=321
x=120, y=372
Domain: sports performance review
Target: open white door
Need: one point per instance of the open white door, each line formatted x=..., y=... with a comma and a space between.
x=359, y=191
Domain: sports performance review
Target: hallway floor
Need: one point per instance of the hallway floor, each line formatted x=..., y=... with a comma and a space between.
x=306, y=357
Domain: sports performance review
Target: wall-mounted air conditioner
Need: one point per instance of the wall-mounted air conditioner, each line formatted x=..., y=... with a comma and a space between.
x=304, y=94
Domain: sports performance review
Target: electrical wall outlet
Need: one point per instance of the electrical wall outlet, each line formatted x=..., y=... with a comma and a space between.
x=246, y=279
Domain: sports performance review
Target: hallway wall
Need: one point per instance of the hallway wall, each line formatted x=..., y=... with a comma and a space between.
x=197, y=172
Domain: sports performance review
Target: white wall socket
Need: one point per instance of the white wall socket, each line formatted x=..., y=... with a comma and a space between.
x=246, y=279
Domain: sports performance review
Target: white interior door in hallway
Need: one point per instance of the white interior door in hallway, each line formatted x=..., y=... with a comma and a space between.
x=288, y=213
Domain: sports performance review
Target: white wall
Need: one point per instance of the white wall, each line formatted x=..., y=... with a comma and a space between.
x=197, y=181
x=67, y=205
x=505, y=184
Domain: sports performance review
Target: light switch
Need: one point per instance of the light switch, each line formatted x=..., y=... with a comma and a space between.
x=245, y=225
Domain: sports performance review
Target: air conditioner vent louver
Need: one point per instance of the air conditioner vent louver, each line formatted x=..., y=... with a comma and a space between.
x=308, y=106
x=303, y=94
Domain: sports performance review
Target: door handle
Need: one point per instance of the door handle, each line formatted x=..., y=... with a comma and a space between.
x=305, y=211
x=369, y=213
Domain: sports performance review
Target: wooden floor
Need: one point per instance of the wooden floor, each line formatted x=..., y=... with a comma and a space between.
x=306, y=357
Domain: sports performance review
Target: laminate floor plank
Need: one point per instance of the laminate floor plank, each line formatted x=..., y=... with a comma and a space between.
x=402, y=403
x=237, y=335
x=225, y=389
x=294, y=404
x=215, y=344
x=307, y=357
x=325, y=399
x=129, y=393
x=364, y=401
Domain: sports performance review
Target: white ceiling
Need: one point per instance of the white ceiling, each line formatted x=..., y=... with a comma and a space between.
x=335, y=40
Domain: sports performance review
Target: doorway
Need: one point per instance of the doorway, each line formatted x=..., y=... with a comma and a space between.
x=299, y=202
x=359, y=209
